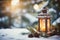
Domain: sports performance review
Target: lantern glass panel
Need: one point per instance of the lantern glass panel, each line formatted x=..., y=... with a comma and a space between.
x=48, y=24
x=42, y=25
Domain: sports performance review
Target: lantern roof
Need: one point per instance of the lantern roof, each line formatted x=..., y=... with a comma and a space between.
x=44, y=14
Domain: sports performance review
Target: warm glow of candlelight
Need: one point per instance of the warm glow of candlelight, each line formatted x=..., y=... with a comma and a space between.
x=43, y=25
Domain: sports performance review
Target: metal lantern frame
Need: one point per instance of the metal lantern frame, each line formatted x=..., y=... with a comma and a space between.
x=44, y=21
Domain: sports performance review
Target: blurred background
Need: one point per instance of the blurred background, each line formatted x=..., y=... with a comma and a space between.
x=23, y=13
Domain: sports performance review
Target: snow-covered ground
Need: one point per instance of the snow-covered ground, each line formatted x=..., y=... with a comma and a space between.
x=21, y=34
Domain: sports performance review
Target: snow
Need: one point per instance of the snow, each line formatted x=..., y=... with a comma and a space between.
x=18, y=34
x=43, y=5
x=56, y=21
x=52, y=10
x=31, y=18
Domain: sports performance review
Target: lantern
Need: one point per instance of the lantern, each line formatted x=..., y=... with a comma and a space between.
x=44, y=25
